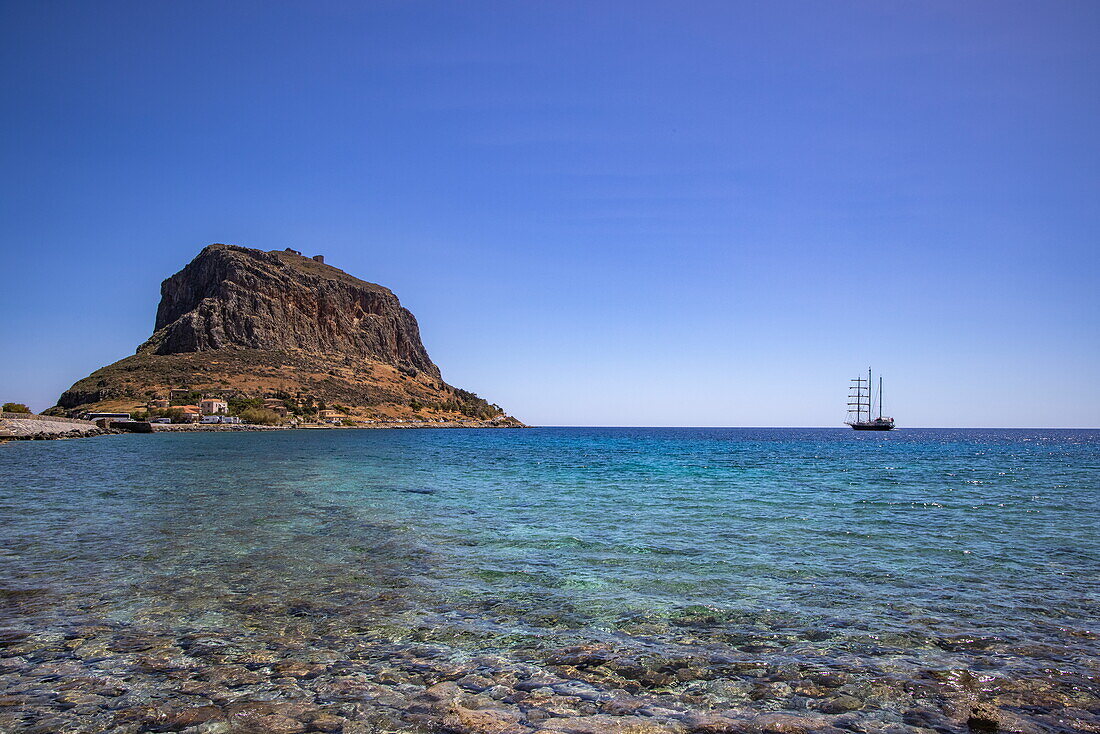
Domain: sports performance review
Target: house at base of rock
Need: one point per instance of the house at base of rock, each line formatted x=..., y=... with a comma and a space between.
x=331, y=416
x=277, y=406
x=213, y=406
x=190, y=413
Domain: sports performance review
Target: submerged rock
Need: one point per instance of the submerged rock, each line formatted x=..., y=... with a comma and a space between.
x=603, y=724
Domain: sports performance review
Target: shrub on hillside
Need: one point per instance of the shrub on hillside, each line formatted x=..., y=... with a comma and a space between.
x=16, y=408
x=237, y=405
x=189, y=399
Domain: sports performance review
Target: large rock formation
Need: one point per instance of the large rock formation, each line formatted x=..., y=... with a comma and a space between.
x=236, y=298
x=252, y=324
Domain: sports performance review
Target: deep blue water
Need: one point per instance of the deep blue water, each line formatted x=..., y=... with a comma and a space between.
x=887, y=554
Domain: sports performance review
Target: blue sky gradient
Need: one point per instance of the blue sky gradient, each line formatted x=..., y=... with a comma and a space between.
x=628, y=213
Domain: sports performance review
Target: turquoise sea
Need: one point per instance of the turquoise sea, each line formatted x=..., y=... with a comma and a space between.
x=918, y=580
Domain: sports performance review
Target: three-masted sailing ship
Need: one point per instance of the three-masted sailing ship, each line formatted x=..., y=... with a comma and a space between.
x=861, y=402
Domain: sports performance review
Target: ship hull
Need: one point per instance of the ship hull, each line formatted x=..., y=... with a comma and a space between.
x=872, y=426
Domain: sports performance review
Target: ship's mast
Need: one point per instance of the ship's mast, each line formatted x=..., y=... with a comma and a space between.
x=860, y=396
x=880, y=397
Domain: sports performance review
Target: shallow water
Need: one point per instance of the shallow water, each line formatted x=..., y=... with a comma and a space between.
x=908, y=581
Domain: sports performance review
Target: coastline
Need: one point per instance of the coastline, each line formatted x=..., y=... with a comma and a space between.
x=34, y=427
x=222, y=427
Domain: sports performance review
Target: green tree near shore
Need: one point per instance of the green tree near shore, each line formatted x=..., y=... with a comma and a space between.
x=260, y=416
x=16, y=408
x=176, y=414
x=464, y=402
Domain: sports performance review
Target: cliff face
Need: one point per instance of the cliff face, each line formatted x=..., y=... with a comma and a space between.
x=238, y=322
x=237, y=298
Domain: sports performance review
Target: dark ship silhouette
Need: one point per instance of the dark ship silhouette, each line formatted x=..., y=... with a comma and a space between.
x=860, y=403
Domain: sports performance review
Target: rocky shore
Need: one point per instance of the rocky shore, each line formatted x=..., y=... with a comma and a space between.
x=46, y=427
x=35, y=427
x=427, y=424
x=230, y=427
x=212, y=427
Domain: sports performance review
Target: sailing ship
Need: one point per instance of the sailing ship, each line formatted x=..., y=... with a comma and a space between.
x=861, y=403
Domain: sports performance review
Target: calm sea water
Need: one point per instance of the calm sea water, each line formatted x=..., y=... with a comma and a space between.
x=921, y=567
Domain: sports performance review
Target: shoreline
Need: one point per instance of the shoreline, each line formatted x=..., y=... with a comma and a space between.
x=184, y=428
x=34, y=427
x=222, y=427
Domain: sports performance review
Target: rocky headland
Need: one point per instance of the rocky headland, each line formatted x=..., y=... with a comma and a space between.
x=243, y=323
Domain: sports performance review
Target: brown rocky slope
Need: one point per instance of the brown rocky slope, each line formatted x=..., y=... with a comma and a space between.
x=239, y=322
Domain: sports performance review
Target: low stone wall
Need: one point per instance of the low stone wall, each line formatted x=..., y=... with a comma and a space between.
x=37, y=417
x=131, y=426
x=213, y=427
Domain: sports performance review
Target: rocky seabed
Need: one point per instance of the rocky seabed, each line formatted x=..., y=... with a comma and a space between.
x=113, y=678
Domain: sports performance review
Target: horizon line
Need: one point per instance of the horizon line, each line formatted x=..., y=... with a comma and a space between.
x=896, y=428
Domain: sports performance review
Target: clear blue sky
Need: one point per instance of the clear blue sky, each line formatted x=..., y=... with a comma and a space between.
x=628, y=213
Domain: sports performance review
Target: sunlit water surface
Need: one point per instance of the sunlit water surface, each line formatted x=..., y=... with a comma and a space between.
x=921, y=567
